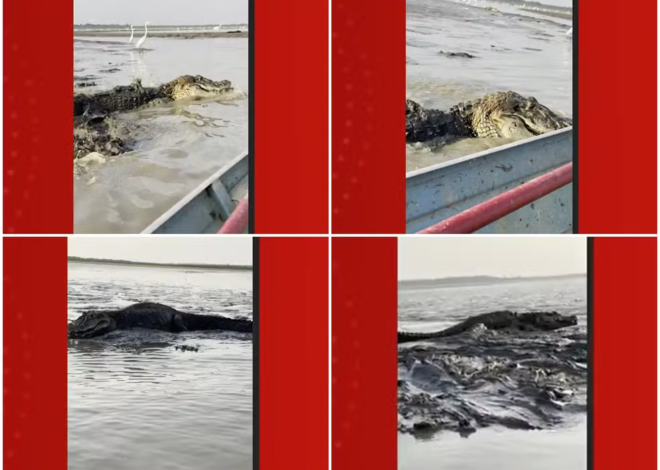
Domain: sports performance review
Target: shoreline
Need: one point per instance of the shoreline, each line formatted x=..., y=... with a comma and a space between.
x=218, y=267
x=552, y=14
x=163, y=34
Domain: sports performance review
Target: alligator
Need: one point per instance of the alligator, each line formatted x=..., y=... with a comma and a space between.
x=500, y=114
x=135, y=95
x=504, y=319
x=96, y=130
x=152, y=316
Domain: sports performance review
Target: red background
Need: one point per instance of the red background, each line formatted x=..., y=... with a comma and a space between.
x=364, y=353
x=34, y=355
x=625, y=342
x=617, y=172
x=368, y=120
x=293, y=353
x=364, y=371
x=617, y=62
x=38, y=118
x=291, y=117
x=293, y=278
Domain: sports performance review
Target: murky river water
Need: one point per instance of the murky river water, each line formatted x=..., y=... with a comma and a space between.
x=135, y=402
x=562, y=447
x=178, y=146
x=517, y=50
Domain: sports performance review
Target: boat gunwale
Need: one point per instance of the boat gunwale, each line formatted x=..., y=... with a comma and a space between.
x=192, y=195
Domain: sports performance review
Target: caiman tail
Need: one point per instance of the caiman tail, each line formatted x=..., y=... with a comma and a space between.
x=532, y=321
x=214, y=322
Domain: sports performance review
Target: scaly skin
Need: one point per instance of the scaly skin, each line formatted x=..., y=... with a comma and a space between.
x=125, y=98
x=96, y=129
x=151, y=316
x=500, y=114
x=534, y=321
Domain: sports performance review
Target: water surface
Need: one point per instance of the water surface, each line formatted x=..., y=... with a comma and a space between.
x=136, y=402
x=178, y=146
x=564, y=446
x=523, y=51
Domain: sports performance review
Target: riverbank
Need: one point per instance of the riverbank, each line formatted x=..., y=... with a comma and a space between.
x=164, y=34
x=223, y=267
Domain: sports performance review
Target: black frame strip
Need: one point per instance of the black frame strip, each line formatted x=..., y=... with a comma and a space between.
x=255, y=353
x=590, y=353
x=575, y=117
x=251, y=158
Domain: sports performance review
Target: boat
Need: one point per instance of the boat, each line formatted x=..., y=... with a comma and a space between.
x=440, y=192
x=206, y=209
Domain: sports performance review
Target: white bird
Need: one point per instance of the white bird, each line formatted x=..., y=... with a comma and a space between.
x=131, y=40
x=144, y=38
x=569, y=32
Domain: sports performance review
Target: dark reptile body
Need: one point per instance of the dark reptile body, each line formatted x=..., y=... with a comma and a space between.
x=504, y=319
x=120, y=98
x=423, y=124
x=162, y=317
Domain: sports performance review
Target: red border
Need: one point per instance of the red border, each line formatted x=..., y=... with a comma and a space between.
x=291, y=117
x=624, y=349
x=368, y=120
x=34, y=354
x=364, y=353
x=293, y=353
x=617, y=182
x=38, y=147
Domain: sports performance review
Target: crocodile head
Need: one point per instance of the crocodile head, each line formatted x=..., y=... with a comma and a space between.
x=547, y=320
x=508, y=114
x=91, y=324
x=196, y=87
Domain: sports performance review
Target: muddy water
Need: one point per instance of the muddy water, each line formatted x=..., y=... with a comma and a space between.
x=563, y=446
x=178, y=146
x=524, y=51
x=135, y=402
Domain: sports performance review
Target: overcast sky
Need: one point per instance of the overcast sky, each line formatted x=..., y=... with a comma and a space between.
x=439, y=256
x=203, y=250
x=560, y=3
x=160, y=11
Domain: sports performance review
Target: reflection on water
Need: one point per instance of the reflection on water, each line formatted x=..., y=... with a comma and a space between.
x=429, y=309
x=515, y=50
x=499, y=449
x=136, y=402
x=178, y=146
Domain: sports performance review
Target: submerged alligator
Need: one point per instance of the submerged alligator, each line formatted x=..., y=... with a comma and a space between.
x=151, y=316
x=505, y=319
x=500, y=114
x=95, y=130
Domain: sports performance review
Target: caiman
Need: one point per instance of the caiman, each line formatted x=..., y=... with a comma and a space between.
x=97, y=130
x=505, y=319
x=500, y=114
x=152, y=316
x=135, y=95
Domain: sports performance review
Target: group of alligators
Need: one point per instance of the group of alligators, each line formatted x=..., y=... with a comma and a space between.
x=157, y=316
x=500, y=114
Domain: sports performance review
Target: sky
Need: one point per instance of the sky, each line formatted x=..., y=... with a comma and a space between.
x=160, y=11
x=195, y=250
x=438, y=257
x=560, y=3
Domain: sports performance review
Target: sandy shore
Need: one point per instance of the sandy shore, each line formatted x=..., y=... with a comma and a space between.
x=553, y=14
x=158, y=34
